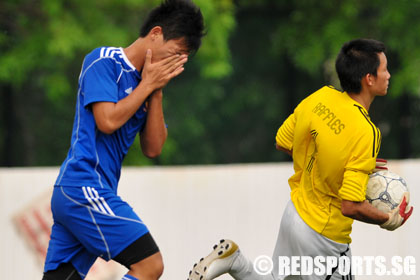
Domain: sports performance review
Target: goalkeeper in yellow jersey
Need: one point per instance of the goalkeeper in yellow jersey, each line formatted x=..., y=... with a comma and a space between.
x=334, y=146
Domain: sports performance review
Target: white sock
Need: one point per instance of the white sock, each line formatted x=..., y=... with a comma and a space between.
x=243, y=269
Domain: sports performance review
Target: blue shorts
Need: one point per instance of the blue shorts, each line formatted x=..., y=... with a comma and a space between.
x=89, y=223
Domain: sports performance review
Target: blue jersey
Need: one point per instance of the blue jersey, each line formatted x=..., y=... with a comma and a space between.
x=94, y=158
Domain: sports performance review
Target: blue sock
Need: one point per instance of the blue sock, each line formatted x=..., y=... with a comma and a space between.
x=129, y=277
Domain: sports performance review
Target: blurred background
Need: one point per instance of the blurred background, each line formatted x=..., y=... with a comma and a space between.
x=258, y=61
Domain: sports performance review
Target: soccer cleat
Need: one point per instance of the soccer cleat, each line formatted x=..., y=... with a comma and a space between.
x=218, y=262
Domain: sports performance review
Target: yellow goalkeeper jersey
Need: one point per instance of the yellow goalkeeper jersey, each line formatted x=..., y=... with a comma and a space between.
x=334, y=146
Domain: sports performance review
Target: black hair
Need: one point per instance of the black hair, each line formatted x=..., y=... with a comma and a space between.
x=178, y=19
x=356, y=59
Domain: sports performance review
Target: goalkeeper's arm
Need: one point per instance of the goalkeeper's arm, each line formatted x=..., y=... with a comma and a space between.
x=363, y=211
x=280, y=148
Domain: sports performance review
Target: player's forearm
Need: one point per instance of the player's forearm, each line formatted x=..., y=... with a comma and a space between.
x=111, y=116
x=155, y=133
x=280, y=148
x=363, y=211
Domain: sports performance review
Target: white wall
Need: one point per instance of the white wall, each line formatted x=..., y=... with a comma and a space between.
x=188, y=209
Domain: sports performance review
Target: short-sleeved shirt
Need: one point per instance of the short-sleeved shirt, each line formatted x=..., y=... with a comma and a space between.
x=335, y=145
x=95, y=158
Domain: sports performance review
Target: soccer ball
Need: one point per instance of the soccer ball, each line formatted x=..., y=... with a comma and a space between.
x=385, y=190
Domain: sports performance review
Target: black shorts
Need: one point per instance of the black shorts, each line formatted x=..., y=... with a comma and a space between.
x=140, y=249
x=137, y=251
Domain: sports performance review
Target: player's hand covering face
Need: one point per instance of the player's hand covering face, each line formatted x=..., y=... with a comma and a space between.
x=158, y=74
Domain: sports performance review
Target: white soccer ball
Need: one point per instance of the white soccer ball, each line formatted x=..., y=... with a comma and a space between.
x=385, y=190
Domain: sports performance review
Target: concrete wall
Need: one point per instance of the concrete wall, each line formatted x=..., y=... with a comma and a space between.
x=187, y=209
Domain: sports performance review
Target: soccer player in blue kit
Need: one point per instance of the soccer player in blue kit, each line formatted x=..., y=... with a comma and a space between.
x=119, y=95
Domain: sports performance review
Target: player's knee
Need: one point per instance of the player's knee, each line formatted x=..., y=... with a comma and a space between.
x=149, y=268
x=158, y=269
x=156, y=266
x=142, y=258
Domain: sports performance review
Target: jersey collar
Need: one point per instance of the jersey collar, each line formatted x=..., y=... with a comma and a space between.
x=126, y=60
x=129, y=64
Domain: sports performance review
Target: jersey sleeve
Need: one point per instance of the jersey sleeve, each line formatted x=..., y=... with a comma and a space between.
x=284, y=136
x=99, y=82
x=357, y=170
